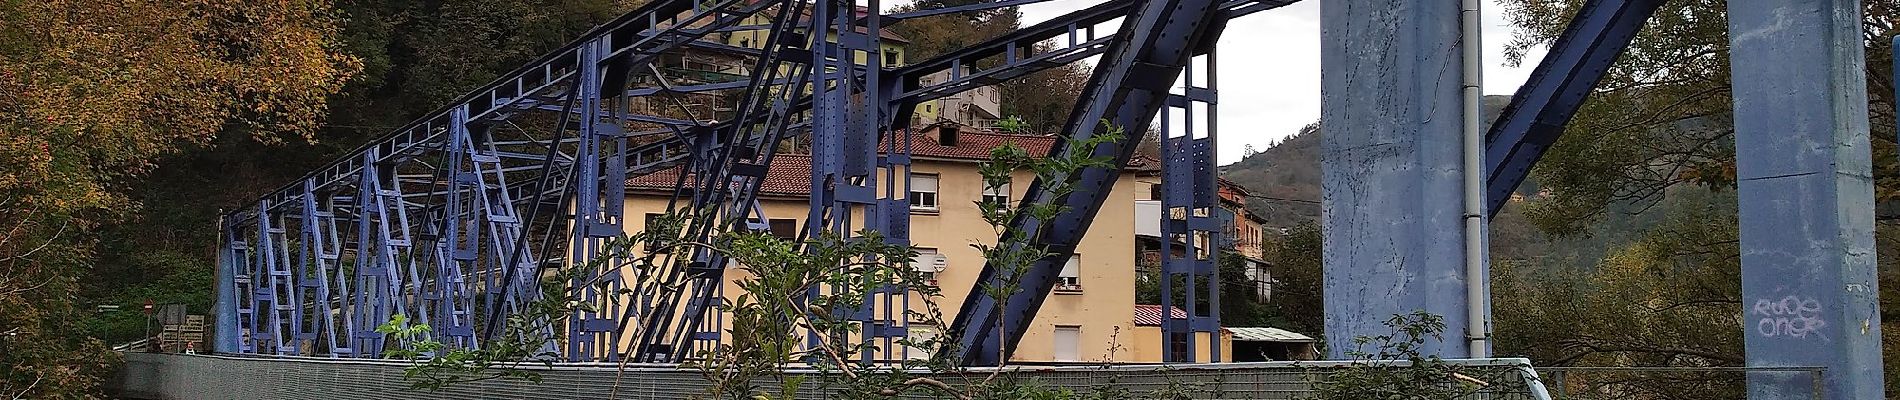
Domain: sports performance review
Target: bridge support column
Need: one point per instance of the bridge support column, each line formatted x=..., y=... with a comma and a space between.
x=1390, y=160
x=1806, y=197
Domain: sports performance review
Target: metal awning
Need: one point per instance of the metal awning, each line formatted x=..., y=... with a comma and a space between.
x=1266, y=334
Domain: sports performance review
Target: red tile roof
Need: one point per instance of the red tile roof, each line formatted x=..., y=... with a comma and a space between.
x=1150, y=314
x=975, y=144
x=789, y=175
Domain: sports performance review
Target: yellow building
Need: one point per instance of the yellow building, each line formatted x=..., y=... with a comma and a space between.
x=1146, y=346
x=1091, y=311
x=890, y=44
x=980, y=107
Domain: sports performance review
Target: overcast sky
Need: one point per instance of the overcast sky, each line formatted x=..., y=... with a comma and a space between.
x=1269, y=63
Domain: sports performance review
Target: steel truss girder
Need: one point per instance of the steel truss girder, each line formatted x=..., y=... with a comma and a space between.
x=1076, y=29
x=437, y=218
x=644, y=33
x=465, y=210
x=1537, y=114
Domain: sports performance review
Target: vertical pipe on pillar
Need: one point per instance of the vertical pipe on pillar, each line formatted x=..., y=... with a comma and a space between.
x=1804, y=178
x=1476, y=290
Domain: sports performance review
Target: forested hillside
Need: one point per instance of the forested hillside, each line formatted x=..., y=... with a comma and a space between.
x=1285, y=175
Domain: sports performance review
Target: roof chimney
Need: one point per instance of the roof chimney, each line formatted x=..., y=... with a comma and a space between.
x=947, y=135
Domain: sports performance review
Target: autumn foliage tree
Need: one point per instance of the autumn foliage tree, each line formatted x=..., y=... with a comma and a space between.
x=91, y=93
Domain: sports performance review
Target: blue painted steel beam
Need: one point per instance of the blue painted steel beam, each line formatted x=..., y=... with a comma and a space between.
x=1804, y=178
x=1393, y=219
x=1129, y=85
x=1569, y=72
x=1192, y=221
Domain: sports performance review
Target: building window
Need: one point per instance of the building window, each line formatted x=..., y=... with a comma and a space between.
x=1181, y=349
x=918, y=335
x=651, y=220
x=745, y=42
x=890, y=58
x=997, y=195
x=1071, y=278
x=784, y=228
x=1068, y=343
x=925, y=263
x=1154, y=191
x=923, y=191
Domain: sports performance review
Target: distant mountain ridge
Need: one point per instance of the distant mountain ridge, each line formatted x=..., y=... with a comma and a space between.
x=1285, y=177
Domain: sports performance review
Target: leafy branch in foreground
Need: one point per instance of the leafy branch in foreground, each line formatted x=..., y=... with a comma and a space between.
x=1012, y=255
x=1396, y=368
x=529, y=336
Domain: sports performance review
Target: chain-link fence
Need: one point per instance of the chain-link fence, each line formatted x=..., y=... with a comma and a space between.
x=173, y=376
x=1673, y=383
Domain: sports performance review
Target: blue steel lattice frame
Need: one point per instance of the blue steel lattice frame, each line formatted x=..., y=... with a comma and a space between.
x=319, y=252
x=1190, y=215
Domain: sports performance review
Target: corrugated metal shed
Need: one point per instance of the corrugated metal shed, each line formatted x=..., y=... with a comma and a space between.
x=1266, y=334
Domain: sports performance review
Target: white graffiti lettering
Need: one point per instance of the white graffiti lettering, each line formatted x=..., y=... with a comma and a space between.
x=1792, y=316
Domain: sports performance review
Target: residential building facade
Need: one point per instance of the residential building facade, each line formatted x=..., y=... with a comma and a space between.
x=1089, y=317
x=1245, y=232
x=981, y=107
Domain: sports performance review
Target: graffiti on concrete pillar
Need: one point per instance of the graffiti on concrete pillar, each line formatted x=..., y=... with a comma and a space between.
x=1789, y=317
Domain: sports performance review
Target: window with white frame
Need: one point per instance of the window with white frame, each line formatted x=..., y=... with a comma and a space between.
x=925, y=263
x=1071, y=277
x=923, y=191
x=998, y=195
x=1068, y=343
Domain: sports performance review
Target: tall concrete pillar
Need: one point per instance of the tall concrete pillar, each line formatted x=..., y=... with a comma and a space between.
x=1806, y=197
x=1390, y=159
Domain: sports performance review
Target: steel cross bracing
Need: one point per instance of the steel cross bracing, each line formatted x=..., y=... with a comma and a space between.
x=453, y=219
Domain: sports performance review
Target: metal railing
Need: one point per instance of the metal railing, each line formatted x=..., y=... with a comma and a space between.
x=1673, y=383
x=151, y=375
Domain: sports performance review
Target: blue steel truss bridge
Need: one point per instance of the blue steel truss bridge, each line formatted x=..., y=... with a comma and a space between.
x=456, y=219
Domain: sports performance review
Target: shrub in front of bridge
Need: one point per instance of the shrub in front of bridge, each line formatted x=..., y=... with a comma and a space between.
x=1393, y=367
